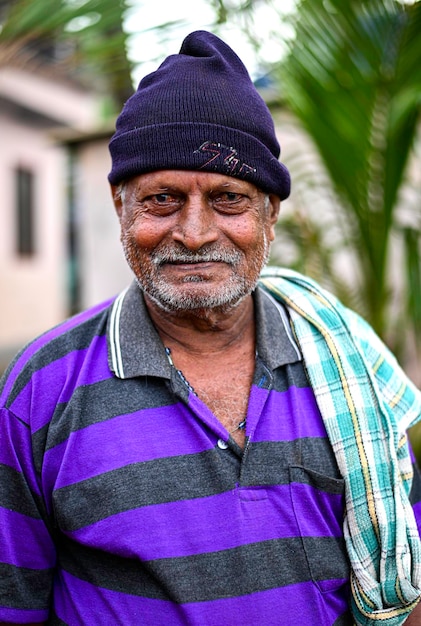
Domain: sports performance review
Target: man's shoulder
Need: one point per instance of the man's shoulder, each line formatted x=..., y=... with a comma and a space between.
x=53, y=348
x=286, y=283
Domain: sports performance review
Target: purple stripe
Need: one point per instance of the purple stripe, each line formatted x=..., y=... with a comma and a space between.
x=319, y=514
x=22, y=616
x=46, y=338
x=289, y=415
x=229, y=520
x=57, y=381
x=34, y=548
x=299, y=603
x=123, y=440
x=14, y=441
x=79, y=603
x=417, y=512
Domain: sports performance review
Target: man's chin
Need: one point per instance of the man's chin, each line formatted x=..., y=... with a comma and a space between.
x=197, y=301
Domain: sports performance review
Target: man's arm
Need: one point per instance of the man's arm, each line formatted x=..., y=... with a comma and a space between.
x=27, y=568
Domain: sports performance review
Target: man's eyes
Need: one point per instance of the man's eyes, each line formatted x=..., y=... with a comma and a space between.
x=226, y=196
x=229, y=196
x=230, y=202
x=164, y=198
x=223, y=202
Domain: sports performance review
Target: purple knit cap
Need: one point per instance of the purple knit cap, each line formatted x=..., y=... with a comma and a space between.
x=199, y=111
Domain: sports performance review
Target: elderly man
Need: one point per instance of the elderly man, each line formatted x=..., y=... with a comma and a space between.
x=206, y=448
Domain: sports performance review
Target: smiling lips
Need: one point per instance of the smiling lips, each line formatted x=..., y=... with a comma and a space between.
x=196, y=268
x=190, y=264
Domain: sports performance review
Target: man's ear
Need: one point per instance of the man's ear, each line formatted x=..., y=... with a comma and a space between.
x=273, y=214
x=117, y=199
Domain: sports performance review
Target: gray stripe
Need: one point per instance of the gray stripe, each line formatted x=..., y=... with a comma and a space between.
x=143, y=484
x=15, y=494
x=345, y=620
x=55, y=621
x=32, y=587
x=188, y=477
x=312, y=453
x=284, y=320
x=209, y=576
x=290, y=375
x=77, y=338
x=102, y=401
x=415, y=494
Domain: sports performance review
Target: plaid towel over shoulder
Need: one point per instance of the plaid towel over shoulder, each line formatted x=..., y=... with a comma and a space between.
x=367, y=404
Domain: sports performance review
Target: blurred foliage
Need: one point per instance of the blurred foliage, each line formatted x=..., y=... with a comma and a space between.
x=80, y=39
x=353, y=78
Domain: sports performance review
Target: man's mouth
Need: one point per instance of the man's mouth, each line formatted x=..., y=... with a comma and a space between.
x=178, y=262
x=193, y=267
x=192, y=263
x=196, y=260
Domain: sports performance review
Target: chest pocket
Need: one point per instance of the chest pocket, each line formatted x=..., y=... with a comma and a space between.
x=318, y=504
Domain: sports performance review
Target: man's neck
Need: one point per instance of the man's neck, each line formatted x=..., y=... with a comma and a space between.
x=205, y=331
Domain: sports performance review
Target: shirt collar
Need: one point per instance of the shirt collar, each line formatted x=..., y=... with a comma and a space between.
x=275, y=341
x=135, y=348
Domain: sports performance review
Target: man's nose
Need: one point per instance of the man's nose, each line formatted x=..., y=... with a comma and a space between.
x=196, y=225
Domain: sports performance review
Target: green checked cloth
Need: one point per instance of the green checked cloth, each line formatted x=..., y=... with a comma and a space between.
x=367, y=404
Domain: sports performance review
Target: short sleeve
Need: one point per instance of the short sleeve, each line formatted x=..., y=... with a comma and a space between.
x=27, y=555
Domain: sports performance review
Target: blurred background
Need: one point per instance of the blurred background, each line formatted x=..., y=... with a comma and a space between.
x=343, y=81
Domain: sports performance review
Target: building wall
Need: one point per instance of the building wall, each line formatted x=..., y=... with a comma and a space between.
x=33, y=289
x=67, y=105
x=103, y=271
x=34, y=109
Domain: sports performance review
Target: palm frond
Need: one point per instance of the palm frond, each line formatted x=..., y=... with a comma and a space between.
x=352, y=76
x=88, y=34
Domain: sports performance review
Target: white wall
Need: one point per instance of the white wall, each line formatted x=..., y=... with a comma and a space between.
x=56, y=100
x=33, y=289
x=104, y=271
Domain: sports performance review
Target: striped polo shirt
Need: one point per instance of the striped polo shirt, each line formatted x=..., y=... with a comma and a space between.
x=123, y=500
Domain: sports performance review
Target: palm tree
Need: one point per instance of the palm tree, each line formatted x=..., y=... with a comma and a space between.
x=353, y=79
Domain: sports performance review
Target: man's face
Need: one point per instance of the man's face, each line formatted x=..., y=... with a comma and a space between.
x=195, y=240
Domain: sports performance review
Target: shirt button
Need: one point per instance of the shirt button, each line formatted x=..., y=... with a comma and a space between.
x=222, y=444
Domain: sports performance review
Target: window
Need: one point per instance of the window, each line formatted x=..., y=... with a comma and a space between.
x=25, y=240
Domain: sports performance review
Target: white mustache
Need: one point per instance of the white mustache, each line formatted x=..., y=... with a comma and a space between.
x=212, y=256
